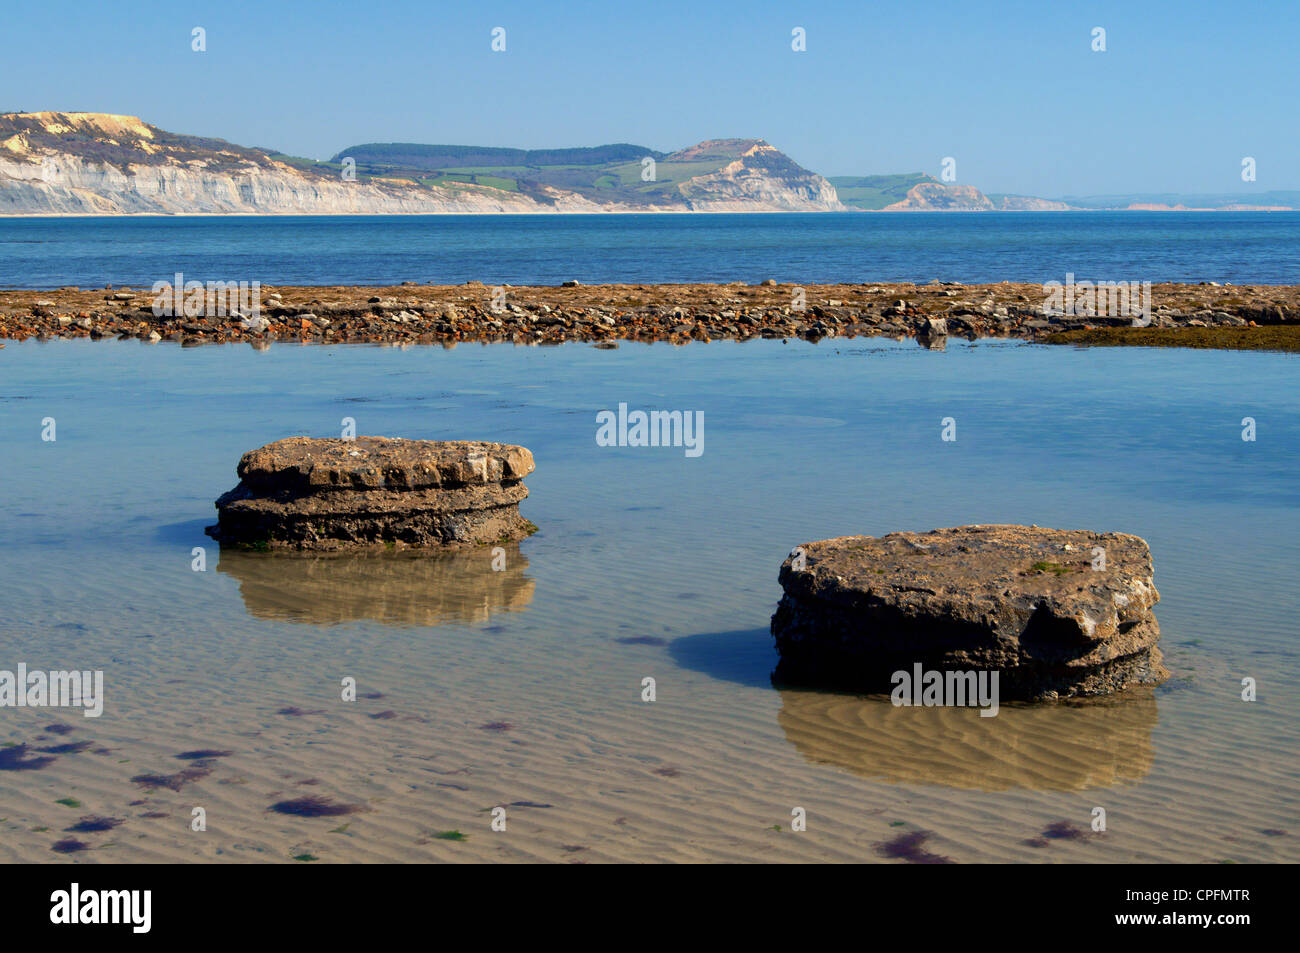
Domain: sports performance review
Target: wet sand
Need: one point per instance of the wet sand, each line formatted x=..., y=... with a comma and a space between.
x=452, y=721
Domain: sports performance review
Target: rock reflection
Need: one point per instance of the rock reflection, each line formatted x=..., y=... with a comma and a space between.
x=1063, y=746
x=397, y=589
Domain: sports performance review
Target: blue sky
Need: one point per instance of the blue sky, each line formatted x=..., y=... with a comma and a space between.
x=1012, y=91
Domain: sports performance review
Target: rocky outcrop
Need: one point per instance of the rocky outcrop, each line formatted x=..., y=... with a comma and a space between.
x=607, y=314
x=1054, y=612
x=941, y=197
x=760, y=178
x=324, y=495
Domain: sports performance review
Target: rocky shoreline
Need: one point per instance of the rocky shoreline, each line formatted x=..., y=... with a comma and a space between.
x=604, y=315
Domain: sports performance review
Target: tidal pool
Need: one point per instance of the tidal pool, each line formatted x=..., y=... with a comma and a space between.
x=479, y=687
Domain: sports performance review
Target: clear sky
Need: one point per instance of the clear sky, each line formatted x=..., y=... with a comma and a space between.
x=1012, y=90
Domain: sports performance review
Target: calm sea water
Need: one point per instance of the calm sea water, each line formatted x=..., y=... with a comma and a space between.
x=1240, y=247
x=647, y=563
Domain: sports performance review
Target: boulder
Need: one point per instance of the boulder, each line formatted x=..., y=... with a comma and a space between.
x=1054, y=612
x=934, y=327
x=303, y=493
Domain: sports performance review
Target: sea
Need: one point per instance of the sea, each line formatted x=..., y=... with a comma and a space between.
x=978, y=247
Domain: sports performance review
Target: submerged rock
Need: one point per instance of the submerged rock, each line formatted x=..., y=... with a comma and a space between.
x=333, y=494
x=1054, y=612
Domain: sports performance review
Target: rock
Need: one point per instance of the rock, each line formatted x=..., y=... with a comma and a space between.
x=256, y=324
x=1023, y=601
x=934, y=328
x=323, y=495
x=571, y=283
x=769, y=282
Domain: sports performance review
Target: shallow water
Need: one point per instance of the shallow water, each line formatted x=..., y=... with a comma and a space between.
x=523, y=688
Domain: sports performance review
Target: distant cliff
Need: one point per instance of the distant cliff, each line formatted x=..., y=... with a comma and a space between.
x=918, y=192
x=938, y=196
x=97, y=163
x=94, y=163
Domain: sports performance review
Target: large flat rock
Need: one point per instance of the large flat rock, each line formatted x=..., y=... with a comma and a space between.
x=307, y=464
x=364, y=503
x=331, y=495
x=1037, y=605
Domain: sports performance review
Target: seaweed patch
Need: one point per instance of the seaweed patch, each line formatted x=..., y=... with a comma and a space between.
x=911, y=848
x=16, y=759
x=313, y=806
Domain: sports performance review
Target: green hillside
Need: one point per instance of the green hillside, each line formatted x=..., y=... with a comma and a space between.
x=600, y=173
x=874, y=192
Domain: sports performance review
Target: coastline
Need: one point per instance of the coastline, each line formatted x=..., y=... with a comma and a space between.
x=604, y=315
x=643, y=211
